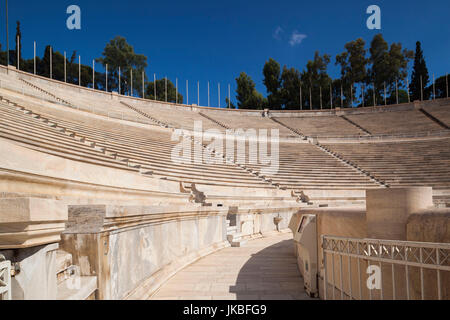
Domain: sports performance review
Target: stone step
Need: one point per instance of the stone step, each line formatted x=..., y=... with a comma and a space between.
x=340, y=203
x=77, y=289
x=238, y=243
x=231, y=229
x=234, y=237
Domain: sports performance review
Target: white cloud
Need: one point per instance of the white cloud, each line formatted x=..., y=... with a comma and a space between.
x=296, y=38
x=277, y=33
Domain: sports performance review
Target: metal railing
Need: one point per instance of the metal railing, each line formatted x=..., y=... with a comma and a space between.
x=5, y=280
x=406, y=270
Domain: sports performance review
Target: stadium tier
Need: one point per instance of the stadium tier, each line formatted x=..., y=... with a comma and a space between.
x=98, y=173
x=322, y=125
x=39, y=114
x=414, y=163
x=395, y=122
x=440, y=111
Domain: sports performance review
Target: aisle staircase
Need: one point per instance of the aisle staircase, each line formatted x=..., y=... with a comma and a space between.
x=356, y=125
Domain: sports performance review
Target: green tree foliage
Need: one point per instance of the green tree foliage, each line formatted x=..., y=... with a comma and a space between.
x=247, y=96
x=398, y=68
x=18, y=45
x=369, y=97
x=72, y=73
x=43, y=65
x=441, y=88
x=388, y=65
x=272, y=81
x=379, y=58
x=336, y=93
x=2, y=56
x=316, y=79
x=118, y=53
x=353, y=63
x=392, y=99
x=72, y=69
x=290, y=92
x=419, y=69
x=161, y=91
x=229, y=103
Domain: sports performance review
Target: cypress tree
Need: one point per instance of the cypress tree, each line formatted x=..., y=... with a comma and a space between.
x=419, y=69
x=18, y=44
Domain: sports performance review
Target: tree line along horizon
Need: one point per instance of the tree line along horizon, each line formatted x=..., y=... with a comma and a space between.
x=376, y=75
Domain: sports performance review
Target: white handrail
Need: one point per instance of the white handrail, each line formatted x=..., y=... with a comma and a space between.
x=395, y=258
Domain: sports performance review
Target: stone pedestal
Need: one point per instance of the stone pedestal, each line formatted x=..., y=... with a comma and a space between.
x=388, y=210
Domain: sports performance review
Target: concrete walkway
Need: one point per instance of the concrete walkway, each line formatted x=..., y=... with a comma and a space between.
x=263, y=269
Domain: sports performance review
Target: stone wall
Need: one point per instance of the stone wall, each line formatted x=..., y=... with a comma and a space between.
x=133, y=250
x=36, y=277
x=403, y=214
x=432, y=225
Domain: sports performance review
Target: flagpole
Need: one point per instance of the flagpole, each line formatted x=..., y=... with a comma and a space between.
x=65, y=67
x=7, y=37
x=143, y=84
x=93, y=74
x=34, y=58
x=79, y=70
x=18, y=53
x=51, y=63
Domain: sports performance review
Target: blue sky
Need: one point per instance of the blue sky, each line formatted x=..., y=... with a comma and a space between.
x=216, y=40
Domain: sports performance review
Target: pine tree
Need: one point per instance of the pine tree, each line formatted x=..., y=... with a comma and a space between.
x=419, y=69
x=272, y=81
x=247, y=96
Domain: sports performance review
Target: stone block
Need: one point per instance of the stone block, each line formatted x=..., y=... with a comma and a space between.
x=29, y=222
x=388, y=210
